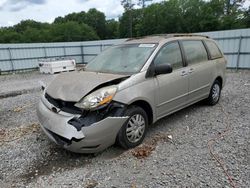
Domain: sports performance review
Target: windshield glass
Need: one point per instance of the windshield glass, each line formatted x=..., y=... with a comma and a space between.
x=122, y=59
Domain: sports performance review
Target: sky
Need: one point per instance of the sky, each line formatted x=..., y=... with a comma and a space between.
x=13, y=11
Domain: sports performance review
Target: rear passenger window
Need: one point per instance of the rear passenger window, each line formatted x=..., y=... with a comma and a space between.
x=213, y=49
x=170, y=54
x=195, y=51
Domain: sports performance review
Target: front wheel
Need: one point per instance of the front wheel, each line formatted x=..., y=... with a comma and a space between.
x=214, y=95
x=134, y=129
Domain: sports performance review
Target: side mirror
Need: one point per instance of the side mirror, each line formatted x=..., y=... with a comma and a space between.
x=163, y=69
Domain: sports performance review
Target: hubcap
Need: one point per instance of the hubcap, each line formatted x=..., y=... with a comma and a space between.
x=216, y=92
x=135, y=128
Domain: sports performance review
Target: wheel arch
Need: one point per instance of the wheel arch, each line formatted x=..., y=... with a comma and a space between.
x=220, y=79
x=145, y=106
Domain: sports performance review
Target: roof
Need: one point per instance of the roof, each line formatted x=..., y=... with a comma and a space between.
x=159, y=37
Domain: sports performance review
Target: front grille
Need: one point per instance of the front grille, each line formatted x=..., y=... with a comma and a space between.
x=64, y=105
x=59, y=139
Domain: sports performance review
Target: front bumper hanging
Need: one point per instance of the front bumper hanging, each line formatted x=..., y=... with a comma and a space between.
x=78, y=134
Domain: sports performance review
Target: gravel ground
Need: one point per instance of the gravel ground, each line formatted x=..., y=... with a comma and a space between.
x=29, y=159
x=16, y=84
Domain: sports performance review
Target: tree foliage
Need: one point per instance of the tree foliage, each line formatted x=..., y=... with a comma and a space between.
x=172, y=16
x=175, y=16
x=30, y=31
x=93, y=18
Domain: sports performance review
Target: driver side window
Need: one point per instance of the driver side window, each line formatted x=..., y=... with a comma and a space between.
x=170, y=54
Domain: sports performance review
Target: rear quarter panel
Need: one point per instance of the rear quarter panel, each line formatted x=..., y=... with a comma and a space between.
x=220, y=69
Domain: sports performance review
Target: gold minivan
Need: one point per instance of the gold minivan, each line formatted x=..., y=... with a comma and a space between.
x=128, y=87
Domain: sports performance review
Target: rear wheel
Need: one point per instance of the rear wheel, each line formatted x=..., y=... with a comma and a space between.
x=215, y=92
x=134, y=129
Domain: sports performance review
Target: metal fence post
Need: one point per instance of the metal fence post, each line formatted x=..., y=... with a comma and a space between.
x=82, y=53
x=64, y=51
x=238, y=54
x=100, y=47
x=11, y=61
x=45, y=53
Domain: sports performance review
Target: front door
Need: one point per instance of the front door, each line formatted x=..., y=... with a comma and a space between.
x=172, y=93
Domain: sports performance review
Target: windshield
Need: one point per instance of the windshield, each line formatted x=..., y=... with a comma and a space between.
x=122, y=59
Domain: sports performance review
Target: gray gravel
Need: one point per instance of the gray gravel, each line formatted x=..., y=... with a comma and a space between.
x=15, y=84
x=11, y=114
x=185, y=161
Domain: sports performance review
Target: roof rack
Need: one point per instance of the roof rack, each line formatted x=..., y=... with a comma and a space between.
x=169, y=36
x=134, y=38
x=179, y=35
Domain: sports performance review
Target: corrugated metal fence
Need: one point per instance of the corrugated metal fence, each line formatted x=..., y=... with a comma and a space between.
x=235, y=45
x=14, y=57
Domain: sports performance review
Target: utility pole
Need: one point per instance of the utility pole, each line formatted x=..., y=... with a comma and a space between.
x=128, y=6
x=143, y=2
x=130, y=24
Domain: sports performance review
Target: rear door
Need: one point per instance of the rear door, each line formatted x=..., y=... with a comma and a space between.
x=199, y=69
x=172, y=92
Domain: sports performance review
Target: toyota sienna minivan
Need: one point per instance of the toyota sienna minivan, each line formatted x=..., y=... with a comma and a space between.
x=128, y=87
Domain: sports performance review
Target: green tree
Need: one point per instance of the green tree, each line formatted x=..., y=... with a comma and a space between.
x=72, y=31
x=151, y=22
x=96, y=20
x=143, y=2
x=8, y=35
x=128, y=7
x=92, y=18
x=130, y=23
x=76, y=17
x=247, y=17
x=185, y=16
x=233, y=14
x=112, y=29
x=24, y=25
x=212, y=13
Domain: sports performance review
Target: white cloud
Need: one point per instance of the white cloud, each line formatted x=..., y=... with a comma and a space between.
x=247, y=4
x=16, y=5
x=51, y=9
x=111, y=8
x=2, y=2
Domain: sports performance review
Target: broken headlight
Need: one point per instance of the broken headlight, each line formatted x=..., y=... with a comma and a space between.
x=98, y=98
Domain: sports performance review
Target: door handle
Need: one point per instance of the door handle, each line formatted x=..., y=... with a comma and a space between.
x=191, y=70
x=184, y=73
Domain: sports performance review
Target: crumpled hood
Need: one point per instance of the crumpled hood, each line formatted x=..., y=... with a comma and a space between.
x=75, y=85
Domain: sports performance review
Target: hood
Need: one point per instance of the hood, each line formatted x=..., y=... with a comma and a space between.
x=75, y=85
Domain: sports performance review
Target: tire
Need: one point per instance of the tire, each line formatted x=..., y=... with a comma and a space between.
x=133, y=131
x=215, y=92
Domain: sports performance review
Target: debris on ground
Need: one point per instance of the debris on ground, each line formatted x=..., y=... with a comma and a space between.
x=91, y=184
x=143, y=151
x=9, y=135
x=170, y=137
x=20, y=108
x=17, y=109
x=133, y=185
x=146, y=148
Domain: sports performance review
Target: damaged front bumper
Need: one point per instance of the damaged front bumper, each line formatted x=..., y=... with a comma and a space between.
x=91, y=138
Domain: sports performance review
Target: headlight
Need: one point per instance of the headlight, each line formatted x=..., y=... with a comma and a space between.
x=97, y=98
